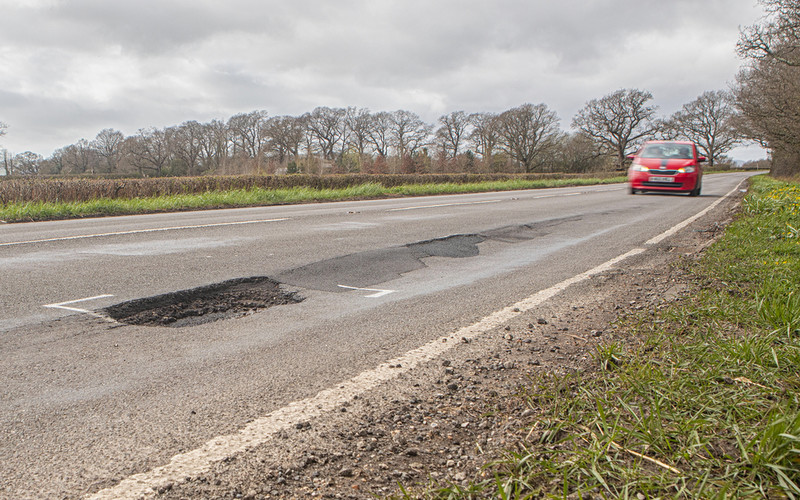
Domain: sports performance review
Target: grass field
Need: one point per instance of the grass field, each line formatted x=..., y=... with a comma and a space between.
x=706, y=404
x=27, y=211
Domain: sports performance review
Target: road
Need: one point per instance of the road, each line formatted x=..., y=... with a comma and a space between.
x=86, y=401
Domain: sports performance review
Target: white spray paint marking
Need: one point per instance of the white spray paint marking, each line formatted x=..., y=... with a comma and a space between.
x=67, y=306
x=140, y=231
x=262, y=430
x=379, y=292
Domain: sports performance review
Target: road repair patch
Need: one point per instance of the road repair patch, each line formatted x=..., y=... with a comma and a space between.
x=229, y=299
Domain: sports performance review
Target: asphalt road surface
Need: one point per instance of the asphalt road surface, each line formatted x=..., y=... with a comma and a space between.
x=87, y=401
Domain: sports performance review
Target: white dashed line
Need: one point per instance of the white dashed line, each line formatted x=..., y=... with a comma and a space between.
x=139, y=231
x=419, y=207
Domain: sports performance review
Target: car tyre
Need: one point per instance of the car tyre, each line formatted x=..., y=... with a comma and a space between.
x=633, y=191
x=695, y=191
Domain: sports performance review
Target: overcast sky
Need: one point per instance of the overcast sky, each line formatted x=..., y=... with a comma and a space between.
x=70, y=68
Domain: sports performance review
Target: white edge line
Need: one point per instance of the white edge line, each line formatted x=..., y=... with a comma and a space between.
x=261, y=430
x=674, y=229
x=139, y=231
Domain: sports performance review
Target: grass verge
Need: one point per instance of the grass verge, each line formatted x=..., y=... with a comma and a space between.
x=36, y=211
x=703, y=399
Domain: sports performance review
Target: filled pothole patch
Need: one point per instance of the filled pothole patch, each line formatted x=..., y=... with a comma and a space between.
x=205, y=304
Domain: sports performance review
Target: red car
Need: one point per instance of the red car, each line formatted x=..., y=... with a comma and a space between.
x=666, y=166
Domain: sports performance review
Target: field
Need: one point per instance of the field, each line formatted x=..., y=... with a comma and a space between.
x=23, y=200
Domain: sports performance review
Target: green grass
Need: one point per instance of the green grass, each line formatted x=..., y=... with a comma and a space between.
x=34, y=211
x=702, y=400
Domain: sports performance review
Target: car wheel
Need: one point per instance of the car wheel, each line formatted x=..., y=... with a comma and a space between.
x=633, y=191
x=695, y=191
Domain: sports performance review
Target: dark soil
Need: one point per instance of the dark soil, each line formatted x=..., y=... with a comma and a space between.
x=204, y=304
x=444, y=421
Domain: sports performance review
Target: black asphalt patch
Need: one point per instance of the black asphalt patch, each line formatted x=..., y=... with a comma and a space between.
x=205, y=304
x=243, y=296
x=458, y=247
x=365, y=269
x=370, y=268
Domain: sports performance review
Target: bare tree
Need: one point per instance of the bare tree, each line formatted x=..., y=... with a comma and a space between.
x=408, y=132
x=768, y=91
x=151, y=150
x=3, y=129
x=329, y=127
x=108, y=144
x=186, y=142
x=710, y=122
x=529, y=134
x=359, y=123
x=214, y=145
x=27, y=163
x=8, y=162
x=618, y=121
x=285, y=134
x=79, y=158
x=768, y=95
x=452, y=132
x=246, y=134
x=577, y=153
x=485, y=134
x=778, y=38
x=379, y=132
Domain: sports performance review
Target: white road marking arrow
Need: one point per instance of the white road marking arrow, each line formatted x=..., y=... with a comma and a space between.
x=66, y=306
x=379, y=293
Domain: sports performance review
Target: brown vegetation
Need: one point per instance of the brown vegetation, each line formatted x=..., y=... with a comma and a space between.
x=33, y=189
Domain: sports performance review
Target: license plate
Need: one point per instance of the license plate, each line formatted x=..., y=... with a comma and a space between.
x=662, y=179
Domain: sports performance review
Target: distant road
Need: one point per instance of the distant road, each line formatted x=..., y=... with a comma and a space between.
x=87, y=402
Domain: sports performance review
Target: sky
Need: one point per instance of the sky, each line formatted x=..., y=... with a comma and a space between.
x=70, y=68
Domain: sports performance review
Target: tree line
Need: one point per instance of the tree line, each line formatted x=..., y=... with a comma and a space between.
x=767, y=91
x=527, y=138
x=762, y=106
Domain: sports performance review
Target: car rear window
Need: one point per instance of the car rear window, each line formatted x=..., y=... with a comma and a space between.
x=667, y=150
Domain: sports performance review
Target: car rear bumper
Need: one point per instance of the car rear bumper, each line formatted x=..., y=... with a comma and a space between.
x=652, y=181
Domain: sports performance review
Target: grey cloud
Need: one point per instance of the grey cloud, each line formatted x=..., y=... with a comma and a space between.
x=204, y=59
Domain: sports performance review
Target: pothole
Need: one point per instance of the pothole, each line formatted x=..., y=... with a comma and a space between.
x=205, y=304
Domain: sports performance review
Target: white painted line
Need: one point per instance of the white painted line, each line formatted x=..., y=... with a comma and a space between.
x=418, y=207
x=66, y=306
x=674, y=229
x=380, y=293
x=140, y=231
x=262, y=430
